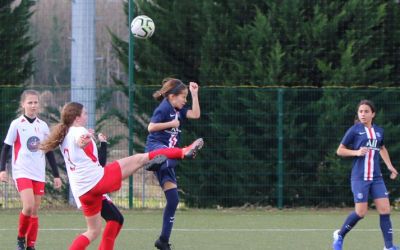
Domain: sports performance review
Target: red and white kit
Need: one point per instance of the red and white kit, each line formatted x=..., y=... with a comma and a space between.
x=83, y=167
x=28, y=161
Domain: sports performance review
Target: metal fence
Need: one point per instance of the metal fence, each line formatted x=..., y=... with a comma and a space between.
x=263, y=146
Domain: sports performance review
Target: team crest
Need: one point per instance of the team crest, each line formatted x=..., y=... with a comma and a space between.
x=33, y=144
x=360, y=196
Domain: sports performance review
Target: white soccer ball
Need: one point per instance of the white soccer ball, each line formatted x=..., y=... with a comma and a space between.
x=142, y=27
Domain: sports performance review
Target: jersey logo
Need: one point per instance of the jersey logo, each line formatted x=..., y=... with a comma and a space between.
x=33, y=144
x=372, y=143
x=361, y=133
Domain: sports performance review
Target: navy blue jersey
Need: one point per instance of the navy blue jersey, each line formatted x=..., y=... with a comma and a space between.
x=165, y=113
x=365, y=167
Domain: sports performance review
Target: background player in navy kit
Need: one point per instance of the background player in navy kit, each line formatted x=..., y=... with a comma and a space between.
x=365, y=142
x=165, y=131
x=28, y=165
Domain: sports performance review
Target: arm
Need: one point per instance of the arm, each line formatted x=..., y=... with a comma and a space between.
x=345, y=152
x=103, y=149
x=194, y=113
x=3, y=159
x=386, y=158
x=84, y=139
x=154, y=127
x=54, y=169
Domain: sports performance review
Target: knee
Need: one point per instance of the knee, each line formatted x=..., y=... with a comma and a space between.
x=28, y=210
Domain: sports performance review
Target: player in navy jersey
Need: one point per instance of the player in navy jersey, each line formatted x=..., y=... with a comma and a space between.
x=28, y=166
x=165, y=129
x=364, y=141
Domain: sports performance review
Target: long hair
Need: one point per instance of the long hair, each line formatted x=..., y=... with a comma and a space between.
x=23, y=97
x=68, y=114
x=365, y=102
x=170, y=86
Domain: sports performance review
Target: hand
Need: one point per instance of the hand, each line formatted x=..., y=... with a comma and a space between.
x=362, y=151
x=394, y=173
x=194, y=88
x=3, y=176
x=102, y=137
x=175, y=123
x=91, y=132
x=57, y=183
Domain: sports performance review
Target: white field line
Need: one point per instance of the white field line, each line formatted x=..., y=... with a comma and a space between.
x=213, y=229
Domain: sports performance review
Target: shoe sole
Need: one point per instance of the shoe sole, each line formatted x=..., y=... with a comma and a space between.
x=191, y=154
x=156, y=163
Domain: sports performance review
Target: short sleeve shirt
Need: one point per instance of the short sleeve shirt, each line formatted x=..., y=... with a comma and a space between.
x=365, y=167
x=28, y=161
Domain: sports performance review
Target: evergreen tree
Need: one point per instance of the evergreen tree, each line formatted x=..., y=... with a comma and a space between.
x=267, y=43
x=16, y=63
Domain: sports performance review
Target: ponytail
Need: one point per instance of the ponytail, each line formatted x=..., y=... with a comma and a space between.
x=170, y=86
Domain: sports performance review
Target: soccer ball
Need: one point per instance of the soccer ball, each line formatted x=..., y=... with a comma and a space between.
x=142, y=27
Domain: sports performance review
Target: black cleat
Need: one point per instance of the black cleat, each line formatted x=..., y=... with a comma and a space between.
x=162, y=245
x=20, y=243
x=190, y=151
x=30, y=248
x=156, y=163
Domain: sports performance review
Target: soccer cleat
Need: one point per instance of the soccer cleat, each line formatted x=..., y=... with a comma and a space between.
x=337, y=241
x=162, y=245
x=30, y=248
x=155, y=163
x=20, y=243
x=392, y=248
x=190, y=151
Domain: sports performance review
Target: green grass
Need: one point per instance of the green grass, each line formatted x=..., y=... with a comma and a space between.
x=304, y=229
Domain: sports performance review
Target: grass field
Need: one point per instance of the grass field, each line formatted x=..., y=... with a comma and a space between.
x=304, y=229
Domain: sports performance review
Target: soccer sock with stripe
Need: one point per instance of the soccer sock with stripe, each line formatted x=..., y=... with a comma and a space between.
x=24, y=221
x=386, y=227
x=349, y=223
x=32, y=232
x=169, y=213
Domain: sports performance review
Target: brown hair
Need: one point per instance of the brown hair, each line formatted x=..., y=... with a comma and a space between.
x=68, y=114
x=170, y=86
x=364, y=102
x=23, y=97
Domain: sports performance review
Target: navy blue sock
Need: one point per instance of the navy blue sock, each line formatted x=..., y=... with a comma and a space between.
x=169, y=213
x=349, y=223
x=386, y=227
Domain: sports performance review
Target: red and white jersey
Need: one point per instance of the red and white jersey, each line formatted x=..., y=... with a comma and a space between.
x=28, y=161
x=83, y=167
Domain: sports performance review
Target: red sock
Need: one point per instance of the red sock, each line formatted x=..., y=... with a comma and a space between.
x=109, y=235
x=171, y=153
x=32, y=232
x=23, y=225
x=80, y=243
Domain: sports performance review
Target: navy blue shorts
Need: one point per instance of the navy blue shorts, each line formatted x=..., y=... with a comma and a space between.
x=167, y=170
x=362, y=189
